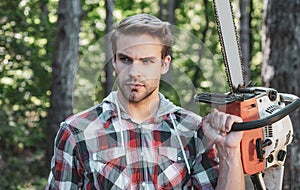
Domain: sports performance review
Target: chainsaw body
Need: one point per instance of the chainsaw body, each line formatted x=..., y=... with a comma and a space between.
x=267, y=129
x=264, y=147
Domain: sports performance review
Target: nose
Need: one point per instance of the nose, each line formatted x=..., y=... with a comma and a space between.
x=134, y=70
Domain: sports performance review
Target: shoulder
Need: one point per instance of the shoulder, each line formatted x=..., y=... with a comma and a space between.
x=95, y=116
x=188, y=119
x=187, y=115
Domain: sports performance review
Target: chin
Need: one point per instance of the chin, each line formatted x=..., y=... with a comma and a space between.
x=134, y=98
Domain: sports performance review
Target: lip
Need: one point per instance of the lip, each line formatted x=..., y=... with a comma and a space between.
x=135, y=86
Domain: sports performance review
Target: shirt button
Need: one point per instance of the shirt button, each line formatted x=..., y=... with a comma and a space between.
x=143, y=184
x=142, y=154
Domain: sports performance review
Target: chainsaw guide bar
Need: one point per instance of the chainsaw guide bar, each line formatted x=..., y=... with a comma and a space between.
x=229, y=42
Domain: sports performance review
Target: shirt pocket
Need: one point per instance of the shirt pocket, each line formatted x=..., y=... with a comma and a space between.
x=173, y=166
x=108, y=155
x=101, y=159
x=173, y=154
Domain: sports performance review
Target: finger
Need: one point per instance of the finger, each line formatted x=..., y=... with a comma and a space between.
x=218, y=120
x=230, y=119
x=206, y=119
x=211, y=133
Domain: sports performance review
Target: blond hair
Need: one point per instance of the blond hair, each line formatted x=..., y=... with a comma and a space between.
x=144, y=24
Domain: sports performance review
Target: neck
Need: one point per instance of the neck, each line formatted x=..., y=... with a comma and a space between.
x=141, y=110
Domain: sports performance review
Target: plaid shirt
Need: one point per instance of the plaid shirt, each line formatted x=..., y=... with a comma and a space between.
x=89, y=152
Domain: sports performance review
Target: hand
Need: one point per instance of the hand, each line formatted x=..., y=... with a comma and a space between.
x=217, y=126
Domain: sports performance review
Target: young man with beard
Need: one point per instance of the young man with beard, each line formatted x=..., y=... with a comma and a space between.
x=136, y=138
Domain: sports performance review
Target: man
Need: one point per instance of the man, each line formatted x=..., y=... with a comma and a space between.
x=136, y=138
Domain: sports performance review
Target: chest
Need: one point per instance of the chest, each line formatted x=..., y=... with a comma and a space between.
x=149, y=157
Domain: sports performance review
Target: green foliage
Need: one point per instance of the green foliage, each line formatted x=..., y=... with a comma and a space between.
x=27, y=37
x=26, y=46
x=256, y=31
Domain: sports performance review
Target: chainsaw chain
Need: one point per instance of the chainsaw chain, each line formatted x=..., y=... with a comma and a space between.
x=228, y=74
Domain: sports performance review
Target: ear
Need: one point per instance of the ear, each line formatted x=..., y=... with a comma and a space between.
x=113, y=61
x=165, y=64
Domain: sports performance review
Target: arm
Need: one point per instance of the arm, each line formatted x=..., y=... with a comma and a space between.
x=217, y=126
x=231, y=174
x=64, y=165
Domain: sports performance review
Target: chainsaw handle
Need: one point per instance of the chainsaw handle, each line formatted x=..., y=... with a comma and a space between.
x=292, y=106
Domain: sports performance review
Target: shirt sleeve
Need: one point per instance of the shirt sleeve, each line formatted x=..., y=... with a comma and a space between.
x=65, y=166
x=206, y=163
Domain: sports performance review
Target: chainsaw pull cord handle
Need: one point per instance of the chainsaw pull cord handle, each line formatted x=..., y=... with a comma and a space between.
x=292, y=106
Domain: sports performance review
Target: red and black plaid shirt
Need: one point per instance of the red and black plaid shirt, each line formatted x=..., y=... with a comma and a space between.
x=89, y=153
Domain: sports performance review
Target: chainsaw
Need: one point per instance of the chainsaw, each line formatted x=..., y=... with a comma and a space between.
x=265, y=112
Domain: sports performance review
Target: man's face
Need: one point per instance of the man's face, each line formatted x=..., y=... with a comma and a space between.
x=139, y=66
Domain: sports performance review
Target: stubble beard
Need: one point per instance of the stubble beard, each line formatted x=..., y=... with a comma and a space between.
x=133, y=96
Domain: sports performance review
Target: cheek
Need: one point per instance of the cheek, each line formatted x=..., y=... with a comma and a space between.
x=154, y=72
x=121, y=70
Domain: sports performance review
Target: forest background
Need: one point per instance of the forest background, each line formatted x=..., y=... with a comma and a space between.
x=43, y=42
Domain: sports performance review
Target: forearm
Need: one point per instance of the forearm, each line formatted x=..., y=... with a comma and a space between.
x=231, y=174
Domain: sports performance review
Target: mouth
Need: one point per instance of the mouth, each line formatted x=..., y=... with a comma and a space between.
x=134, y=86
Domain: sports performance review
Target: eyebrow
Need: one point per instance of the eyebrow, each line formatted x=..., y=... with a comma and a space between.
x=142, y=58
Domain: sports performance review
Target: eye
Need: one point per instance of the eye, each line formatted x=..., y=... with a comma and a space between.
x=148, y=61
x=125, y=59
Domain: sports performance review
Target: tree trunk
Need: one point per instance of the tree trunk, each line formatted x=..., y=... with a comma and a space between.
x=171, y=19
x=109, y=21
x=161, y=9
x=245, y=44
x=245, y=36
x=171, y=11
x=64, y=67
x=280, y=69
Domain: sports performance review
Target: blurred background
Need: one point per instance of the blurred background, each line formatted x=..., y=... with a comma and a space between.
x=44, y=42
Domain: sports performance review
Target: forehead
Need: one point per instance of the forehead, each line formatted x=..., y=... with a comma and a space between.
x=143, y=44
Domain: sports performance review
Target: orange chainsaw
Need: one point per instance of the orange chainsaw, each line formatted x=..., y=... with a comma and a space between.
x=267, y=127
